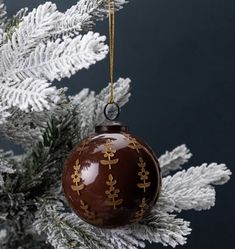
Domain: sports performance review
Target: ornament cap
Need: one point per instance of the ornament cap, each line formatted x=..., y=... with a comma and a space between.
x=111, y=126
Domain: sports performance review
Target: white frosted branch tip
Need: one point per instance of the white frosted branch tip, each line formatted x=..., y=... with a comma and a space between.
x=173, y=160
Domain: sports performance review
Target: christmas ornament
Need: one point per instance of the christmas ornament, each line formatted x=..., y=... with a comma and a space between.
x=112, y=178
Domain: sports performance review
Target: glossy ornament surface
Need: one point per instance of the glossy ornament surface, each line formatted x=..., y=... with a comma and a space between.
x=112, y=178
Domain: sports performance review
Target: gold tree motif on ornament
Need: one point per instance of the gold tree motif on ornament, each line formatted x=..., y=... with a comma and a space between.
x=133, y=144
x=140, y=213
x=112, y=193
x=89, y=214
x=143, y=175
x=76, y=176
x=109, y=153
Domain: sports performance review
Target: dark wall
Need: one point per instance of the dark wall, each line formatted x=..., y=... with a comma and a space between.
x=180, y=55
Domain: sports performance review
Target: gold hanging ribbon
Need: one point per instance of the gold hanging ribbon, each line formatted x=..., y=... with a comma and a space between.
x=111, y=6
x=111, y=110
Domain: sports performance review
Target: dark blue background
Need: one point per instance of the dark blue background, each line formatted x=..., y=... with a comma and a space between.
x=180, y=55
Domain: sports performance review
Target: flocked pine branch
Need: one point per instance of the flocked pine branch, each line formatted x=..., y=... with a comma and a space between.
x=12, y=24
x=29, y=54
x=3, y=114
x=82, y=16
x=8, y=25
x=1, y=35
x=161, y=228
x=53, y=221
x=3, y=15
x=35, y=27
x=98, y=9
x=3, y=18
x=192, y=189
x=29, y=94
x=173, y=160
x=36, y=48
x=27, y=128
x=57, y=60
x=6, y=167
x=164, y=228
x=3, y=234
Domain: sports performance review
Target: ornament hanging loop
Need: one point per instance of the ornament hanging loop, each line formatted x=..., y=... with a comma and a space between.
x=111, y=111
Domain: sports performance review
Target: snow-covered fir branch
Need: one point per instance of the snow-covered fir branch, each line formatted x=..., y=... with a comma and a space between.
x=65, y=230
x=28, y=57
x=26, y=128
x=59, y=59
x=3, y=15
x=6, y=166
x=29, y=94
x=82, y=16
x=173, y=160
x=192, y=189
x=3, y=234
x=56, y=224
x=4, y=114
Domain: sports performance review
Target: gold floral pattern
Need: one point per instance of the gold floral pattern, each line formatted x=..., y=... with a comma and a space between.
x=109, y=153
x=143, y=174
x=133, y=143
x=140, y=213
x=76, y=176
x=89, y=214
x=112, y=193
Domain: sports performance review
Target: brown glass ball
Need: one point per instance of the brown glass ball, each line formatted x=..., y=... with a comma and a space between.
x=112, y=178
